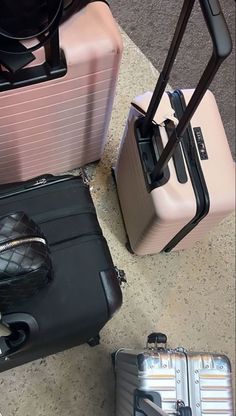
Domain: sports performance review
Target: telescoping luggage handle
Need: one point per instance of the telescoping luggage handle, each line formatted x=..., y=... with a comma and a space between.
x=222, y=47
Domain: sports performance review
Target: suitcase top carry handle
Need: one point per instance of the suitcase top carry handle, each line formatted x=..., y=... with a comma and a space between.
x=15, y=56
x=156, y=338
x=222, y=47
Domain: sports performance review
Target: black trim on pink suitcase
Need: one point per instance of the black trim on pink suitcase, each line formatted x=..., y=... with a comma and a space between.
x=154, y=159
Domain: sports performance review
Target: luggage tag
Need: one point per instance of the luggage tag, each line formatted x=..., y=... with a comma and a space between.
x=165, y=112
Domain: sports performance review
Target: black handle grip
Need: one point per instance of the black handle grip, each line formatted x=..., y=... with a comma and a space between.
x=157, y=338
x=222, y=47
x=218, y=29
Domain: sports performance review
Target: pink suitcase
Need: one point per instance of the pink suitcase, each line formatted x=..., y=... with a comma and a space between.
x=170, y=198
x=60, y=124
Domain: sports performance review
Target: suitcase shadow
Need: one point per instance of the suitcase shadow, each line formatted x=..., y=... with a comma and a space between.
x=88, y=384
x=76, y=382
x=109, y=212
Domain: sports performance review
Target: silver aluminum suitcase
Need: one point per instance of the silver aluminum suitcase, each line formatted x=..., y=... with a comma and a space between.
x=159, y=381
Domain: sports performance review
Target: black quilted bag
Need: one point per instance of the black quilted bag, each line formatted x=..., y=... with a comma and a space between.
x=27, y=18
x=32, y=19
x=25, y=264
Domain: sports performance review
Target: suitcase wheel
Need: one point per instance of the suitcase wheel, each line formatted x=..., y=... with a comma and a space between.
x=113, y=359
x=93, y=342
x=128, y=247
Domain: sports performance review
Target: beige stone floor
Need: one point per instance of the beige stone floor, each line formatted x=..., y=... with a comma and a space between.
x=189, y=295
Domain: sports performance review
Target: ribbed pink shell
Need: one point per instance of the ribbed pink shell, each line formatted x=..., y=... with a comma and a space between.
x=61, y=124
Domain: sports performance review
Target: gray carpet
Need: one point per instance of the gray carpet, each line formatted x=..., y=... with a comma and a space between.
x=151, y=25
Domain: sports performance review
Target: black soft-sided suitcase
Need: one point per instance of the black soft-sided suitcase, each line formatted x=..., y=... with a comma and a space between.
x=85, y=292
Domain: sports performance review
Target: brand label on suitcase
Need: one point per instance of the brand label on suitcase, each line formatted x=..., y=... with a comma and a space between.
x=200, y=143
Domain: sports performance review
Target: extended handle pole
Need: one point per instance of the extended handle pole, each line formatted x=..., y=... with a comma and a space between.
x=164, y=75
x=52, y=48
x=177, y=135
x=222, y=47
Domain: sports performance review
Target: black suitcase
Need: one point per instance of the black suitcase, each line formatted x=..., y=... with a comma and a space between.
x=85, y=292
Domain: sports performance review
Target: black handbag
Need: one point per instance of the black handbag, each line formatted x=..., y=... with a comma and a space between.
x=22, y=20
x=25, y=264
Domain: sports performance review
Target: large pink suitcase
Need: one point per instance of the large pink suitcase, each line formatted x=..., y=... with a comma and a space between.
x=170, y=198
x=60, y=124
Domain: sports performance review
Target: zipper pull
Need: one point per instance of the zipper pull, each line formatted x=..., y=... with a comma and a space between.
x=39, y=182
x=121, y=276
x=84, y=177
x=181, y=350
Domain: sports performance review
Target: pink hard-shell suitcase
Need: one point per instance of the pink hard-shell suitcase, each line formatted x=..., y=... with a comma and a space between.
x=176, y=180
x=56, y=119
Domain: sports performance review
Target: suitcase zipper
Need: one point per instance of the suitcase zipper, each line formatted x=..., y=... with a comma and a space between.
x=121, y=276
x=78, y=237
x=19, y=241
x=40, y=182
x=196, y=175
x=60, y=214
x=46, y=180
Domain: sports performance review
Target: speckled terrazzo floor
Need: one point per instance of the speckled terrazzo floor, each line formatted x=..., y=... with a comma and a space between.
x=189, y=295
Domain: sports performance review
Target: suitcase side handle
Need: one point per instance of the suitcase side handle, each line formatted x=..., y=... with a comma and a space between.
x=22, y=330
x=222, y=47
x=149, y=404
